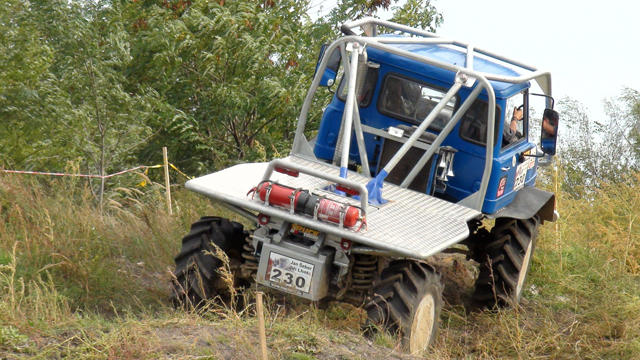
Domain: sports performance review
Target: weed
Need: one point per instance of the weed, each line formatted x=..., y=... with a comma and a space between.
x=71, y=286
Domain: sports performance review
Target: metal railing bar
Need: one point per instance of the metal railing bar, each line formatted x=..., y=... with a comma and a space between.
x=348, y=110
x=410, y=30
x=371, y=130
x=362, y=149
x=423, y=126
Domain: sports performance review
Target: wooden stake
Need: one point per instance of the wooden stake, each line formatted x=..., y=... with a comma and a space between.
x=167, y=183
x=263, y=335
x=557, y=164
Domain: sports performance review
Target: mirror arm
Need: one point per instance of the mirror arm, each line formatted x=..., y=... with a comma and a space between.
x=329, y=88
x=537, y=156
x=553, y=101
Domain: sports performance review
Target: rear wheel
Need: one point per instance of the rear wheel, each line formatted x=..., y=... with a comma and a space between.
x=407, y=301
x=197, y=275
x=505, y=257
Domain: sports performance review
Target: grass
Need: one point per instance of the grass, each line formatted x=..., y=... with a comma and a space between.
x=83, y=284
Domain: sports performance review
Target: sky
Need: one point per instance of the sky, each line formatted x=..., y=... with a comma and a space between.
x=591, y=48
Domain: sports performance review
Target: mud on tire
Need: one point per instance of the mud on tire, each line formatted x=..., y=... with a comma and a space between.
x=196, y=275
x=407, y=301
x=505, y=256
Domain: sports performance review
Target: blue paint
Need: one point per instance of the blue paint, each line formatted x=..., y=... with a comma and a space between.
x=343, y=172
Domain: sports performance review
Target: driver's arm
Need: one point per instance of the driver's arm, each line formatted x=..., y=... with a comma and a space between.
x=548, y=127
x=510, y=133
x=517, y=116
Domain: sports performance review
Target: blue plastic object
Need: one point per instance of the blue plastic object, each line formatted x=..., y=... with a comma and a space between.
x=374, y=187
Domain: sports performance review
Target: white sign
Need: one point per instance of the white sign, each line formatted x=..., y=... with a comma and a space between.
x=289, y=273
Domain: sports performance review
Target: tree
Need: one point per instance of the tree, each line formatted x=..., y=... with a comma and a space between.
x=239, y=70
x=103, y=122
x=624, y=112
x=218, y=82
x=232, y=67
x=29, y=97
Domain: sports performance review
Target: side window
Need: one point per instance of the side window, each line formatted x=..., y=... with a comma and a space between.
x=473, y=126
x=516, y=130
x=369, y=87
x=412, y=102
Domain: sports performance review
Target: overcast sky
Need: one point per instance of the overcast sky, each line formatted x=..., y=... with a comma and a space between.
x=592, y=48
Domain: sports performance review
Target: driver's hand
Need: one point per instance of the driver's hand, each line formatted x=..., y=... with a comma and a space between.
x=517, y=113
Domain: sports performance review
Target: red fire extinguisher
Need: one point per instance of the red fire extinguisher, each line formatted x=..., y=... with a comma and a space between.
x=306, y=203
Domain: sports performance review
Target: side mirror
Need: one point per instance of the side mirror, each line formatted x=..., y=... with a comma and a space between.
x=331, y=71
x=549, y=135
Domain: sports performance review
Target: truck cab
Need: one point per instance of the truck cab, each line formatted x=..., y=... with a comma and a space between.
x=397, y=95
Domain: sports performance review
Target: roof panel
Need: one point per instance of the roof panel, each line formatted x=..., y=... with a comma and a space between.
x=450, y=55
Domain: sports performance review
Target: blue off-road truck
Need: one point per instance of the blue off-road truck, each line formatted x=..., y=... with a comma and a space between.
x=424, y=138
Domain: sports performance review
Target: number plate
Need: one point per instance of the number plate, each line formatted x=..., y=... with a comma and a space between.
x=521, y=174
x=289, y=273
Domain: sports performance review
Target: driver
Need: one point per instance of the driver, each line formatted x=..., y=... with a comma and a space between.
x=510, y=133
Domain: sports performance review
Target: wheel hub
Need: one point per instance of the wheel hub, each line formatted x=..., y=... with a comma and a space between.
x=523, y=271
x=422, y=327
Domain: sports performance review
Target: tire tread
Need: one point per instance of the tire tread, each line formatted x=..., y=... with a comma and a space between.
x=501, y=256
x=196, y=274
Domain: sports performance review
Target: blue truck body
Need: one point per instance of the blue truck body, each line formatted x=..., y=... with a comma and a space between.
x=470, y=158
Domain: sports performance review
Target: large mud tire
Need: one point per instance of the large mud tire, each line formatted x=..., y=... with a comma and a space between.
x=407, y=301
x=197, y=277
x=505, y=257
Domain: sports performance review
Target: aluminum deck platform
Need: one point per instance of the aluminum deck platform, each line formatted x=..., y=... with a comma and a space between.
x=411, y=224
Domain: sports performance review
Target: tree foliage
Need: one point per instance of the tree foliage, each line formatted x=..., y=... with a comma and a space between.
x=28, y=94
x=106, y=83
x=233, y=68
x=593, y=151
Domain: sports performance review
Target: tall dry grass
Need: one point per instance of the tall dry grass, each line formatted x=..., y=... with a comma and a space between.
x=583, y=295
x=53, y=238
x=77, y=282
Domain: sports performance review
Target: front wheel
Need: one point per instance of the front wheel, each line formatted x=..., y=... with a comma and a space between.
x=407, y=301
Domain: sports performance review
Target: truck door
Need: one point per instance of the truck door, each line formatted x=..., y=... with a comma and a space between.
x=512, y=168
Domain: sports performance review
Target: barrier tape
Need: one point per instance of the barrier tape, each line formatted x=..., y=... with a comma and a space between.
x=180, y=172
x=76, y=175
x=95, y=176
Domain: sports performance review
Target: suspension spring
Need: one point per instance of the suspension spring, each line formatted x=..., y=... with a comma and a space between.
x=363, y=272
x=250, y=265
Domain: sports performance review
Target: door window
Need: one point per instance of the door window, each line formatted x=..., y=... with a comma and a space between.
x=412, y=102
x=474, y=123
x=514, y=131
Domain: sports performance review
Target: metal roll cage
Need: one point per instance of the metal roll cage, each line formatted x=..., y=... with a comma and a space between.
x=464, y=76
